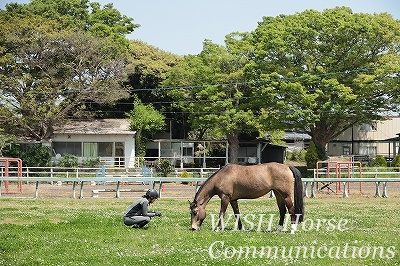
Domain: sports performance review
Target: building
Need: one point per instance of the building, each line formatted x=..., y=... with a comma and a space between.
x=212, y=153
x=110, y=140
x=376, y=138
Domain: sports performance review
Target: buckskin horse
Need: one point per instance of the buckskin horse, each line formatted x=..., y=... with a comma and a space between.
x=233, y=182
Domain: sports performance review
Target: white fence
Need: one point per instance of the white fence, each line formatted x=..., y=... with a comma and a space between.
x=81, y=176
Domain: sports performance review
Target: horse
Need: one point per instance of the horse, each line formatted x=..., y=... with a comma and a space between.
x=233, y=182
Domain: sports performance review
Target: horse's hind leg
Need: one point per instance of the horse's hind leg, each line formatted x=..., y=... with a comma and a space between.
x=282, y=209
x=291, y=209
x=235, y=207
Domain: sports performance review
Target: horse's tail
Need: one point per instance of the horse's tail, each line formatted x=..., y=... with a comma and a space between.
x=298, y=193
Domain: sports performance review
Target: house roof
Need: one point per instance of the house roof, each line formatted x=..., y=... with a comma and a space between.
x=296, y=136
x=99, y=126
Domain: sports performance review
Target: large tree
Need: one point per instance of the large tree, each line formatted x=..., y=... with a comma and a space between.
x=335, y=68
x=146, y=70
x=48, y=74
x=58, y=60
x=211, y=89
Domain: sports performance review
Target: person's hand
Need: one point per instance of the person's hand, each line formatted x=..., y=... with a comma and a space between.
x=157, y=214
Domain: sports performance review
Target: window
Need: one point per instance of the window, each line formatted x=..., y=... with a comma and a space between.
x=368, y=127
x=90, y=150
x=346, y=150
x=367, y=150
x=74, y=148
x=187, y=151
x=105, y=149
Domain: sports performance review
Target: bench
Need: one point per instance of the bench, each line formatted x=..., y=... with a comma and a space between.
x=95, y=192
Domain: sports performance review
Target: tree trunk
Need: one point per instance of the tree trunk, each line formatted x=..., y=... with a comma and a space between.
x=233, y=141
x=320, y=142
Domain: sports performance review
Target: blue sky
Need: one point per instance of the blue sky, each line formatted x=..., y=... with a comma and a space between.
x=180, y=26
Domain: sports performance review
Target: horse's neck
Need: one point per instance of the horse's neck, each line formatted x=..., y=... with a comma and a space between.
x=204, y=195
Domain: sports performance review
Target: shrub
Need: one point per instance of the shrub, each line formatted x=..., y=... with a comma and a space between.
x=68, y=160
x=396, y=161
x=35, y=155
x=297, y=155
x=163, y=166
x=91, y=162
x=311, y=156
x=185, y=174
x=379, y=161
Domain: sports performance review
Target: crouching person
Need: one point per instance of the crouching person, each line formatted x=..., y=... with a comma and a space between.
x=137, y=214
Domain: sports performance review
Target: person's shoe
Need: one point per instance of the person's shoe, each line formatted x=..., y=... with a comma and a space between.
x=142, y=224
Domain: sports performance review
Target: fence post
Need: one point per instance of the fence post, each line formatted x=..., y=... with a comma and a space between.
x=345, y=194
x=117, y=191
x=384, y=192
x=305, y=191
x=377, y=192
x=81, y=191
x=37, y=189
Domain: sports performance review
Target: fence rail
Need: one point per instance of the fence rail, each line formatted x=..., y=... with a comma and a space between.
x=313, y=182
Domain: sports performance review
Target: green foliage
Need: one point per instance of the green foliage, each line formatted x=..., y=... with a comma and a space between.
x=379, y=161
x=103, y=22
x=219, y=103
x=146, y=121
x=6, y=140
x=91, y=162
x=68, y=160
x=311, y=156
x=321, y=152
x=297, y=155
x=327, y=86
x=396, y=161
x=163, y=166
x=34, y=95
x=185, y=174
x=35, y=155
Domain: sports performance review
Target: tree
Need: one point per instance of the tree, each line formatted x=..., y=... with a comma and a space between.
x=146, y=69
x=335, y=68
x=146, y=120
x=106, y=22
x=211, y=89
x=49, y=74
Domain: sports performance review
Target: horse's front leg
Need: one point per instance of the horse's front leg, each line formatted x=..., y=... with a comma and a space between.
x=235, y=207
x=224, y=205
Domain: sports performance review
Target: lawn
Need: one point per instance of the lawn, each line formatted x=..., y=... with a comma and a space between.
x=60, y=231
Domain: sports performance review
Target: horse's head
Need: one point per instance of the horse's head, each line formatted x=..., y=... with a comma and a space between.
x=198, y=214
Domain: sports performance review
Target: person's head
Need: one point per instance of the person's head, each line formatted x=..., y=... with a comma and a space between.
x=151, y=195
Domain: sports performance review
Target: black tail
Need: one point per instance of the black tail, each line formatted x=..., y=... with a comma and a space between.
x=298, y=193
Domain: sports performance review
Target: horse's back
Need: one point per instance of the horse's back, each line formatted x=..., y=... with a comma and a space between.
x=253, y=181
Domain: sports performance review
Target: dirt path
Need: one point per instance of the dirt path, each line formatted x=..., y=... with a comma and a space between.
x=170, y=190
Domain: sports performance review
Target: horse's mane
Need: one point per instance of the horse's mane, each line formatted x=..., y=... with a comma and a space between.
x=208, y=181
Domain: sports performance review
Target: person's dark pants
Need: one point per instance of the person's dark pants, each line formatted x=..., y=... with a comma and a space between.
x=136, y=220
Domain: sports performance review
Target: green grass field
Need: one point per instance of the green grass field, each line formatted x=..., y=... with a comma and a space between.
x=57, y=231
